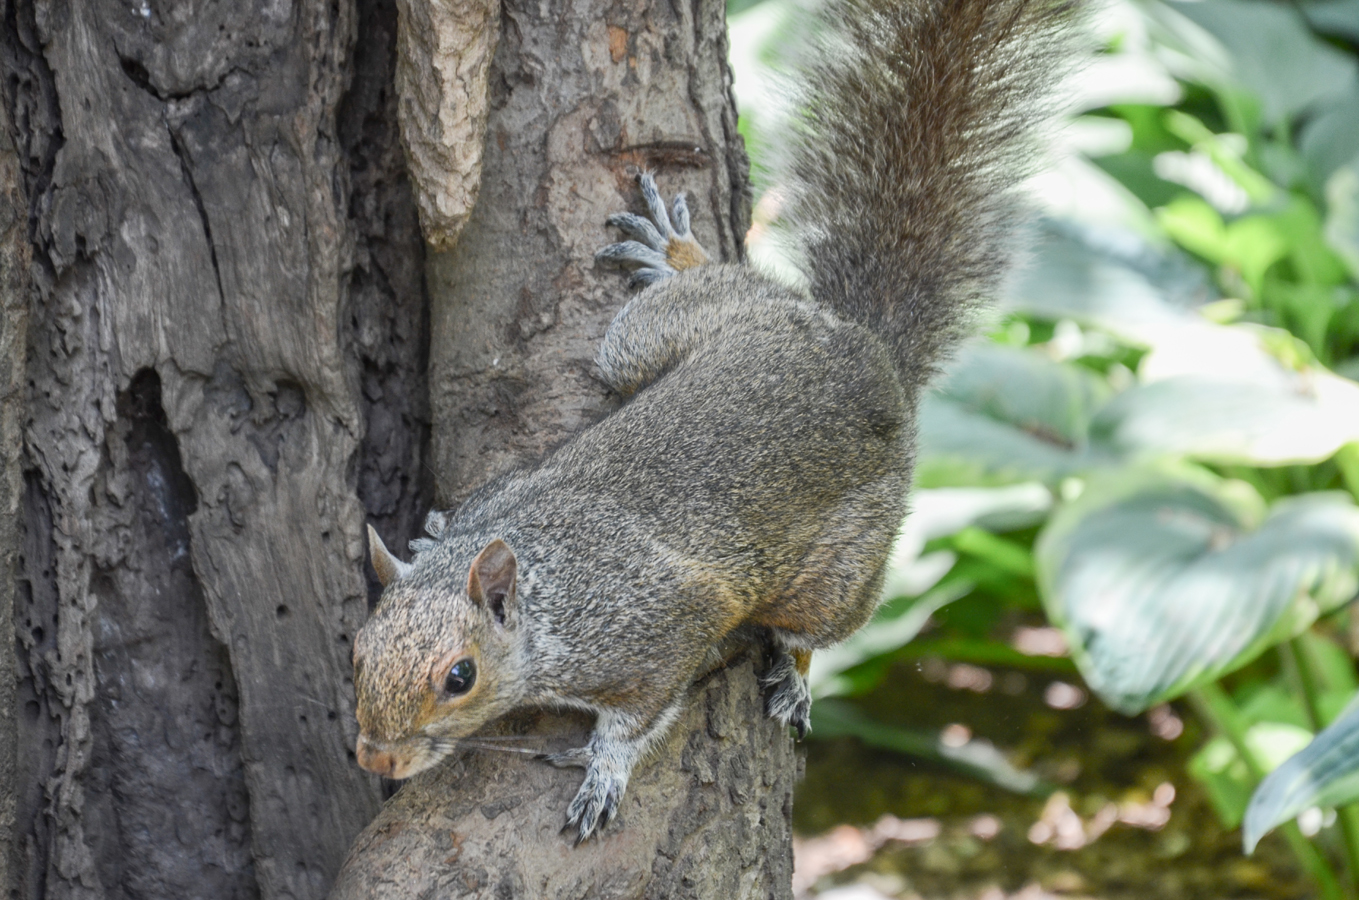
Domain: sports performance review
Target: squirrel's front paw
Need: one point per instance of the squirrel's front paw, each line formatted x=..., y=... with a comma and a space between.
x=596, y=802
x=660, y=249
x=789, y=699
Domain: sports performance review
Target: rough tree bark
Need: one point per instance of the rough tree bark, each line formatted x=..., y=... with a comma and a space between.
x=14, y=260
x=227, y=347
x=224, y=356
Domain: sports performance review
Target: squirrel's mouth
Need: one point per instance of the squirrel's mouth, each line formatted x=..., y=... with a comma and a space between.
x=395, y=762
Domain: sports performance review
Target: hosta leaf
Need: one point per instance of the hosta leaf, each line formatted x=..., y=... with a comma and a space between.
x=1225, y=775
x=1067, y=279
x=1163, y=581
x=1294, y=418
x=1324, y=773
x=1272, y=52
x=1342, y=217
x=1006, y=414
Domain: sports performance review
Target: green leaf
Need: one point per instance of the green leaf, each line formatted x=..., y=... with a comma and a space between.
x=1125, y=286
x=1008, y=414
x=1332, y=666
x=1272, y=53
x=1289, y=418
x=1225, y=775
x=1334, y=17
x=1224, y=151
x=1164, y=580
x=1226, y=778
x=1249, y=245
x=1135, y=171
x=1325, y=773
x=1271, y=702
x=1012, y=558
x=977, y=758
x=1342, y=215
x=892, y=628
x=1329, y=139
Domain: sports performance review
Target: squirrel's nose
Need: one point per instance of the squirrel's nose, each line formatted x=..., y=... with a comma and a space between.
x=379, y=762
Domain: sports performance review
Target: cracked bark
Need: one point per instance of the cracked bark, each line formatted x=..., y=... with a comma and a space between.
x=225, y=362
x=211, y=257
x=14, y=296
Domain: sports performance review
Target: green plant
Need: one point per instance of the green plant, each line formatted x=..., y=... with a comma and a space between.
x=1158, y=444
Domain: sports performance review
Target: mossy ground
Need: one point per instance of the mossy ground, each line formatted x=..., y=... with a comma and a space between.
x=1111, y=770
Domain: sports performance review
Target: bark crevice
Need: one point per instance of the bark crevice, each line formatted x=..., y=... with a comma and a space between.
x=182, y=154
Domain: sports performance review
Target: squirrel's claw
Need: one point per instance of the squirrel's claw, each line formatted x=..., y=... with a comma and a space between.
x=661, y=247
x=595, y=804
x=643, y=277
x=635, y=226
x=655, y=206
x=634, y=252
x=790, y=698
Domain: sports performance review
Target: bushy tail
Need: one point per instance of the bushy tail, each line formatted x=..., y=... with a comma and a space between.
x=916, y=131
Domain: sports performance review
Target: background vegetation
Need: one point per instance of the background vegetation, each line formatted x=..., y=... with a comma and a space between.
x=1140, y=485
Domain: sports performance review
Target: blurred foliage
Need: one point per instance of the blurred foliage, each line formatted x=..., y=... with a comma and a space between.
x=1157, y=443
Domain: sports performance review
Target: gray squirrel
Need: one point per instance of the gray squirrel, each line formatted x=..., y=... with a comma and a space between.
x=757, y=474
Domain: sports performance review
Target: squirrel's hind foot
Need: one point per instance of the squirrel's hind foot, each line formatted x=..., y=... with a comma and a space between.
x=663, y=243
x=789, y=698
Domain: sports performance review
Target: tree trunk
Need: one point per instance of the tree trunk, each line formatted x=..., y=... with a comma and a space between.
x=14, y=290
x=228, y=282
x=227, y=346
x=583, y=94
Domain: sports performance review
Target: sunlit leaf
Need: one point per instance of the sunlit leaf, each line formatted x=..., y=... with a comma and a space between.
x=1325, y=773
x=1270, y=701
x=1196, y=226
x=1220, y=769
x=1165, y=580
x=1224, y=151
x=1009, y=557
x=1249, y=245
x=1293, y=418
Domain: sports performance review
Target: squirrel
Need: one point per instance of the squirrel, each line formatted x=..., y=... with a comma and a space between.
x=756, y=475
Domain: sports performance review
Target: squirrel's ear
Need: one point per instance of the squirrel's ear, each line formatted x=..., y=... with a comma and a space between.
x=387, y=566
x=491, y=580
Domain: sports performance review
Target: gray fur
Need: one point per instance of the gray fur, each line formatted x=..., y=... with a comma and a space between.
x=920, y=122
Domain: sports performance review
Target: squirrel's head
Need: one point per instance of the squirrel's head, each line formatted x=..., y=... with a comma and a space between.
x=432, y=664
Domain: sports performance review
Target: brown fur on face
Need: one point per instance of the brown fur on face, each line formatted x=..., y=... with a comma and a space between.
x=424, y=625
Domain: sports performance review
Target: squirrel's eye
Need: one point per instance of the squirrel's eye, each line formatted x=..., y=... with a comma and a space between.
x=460, y=678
